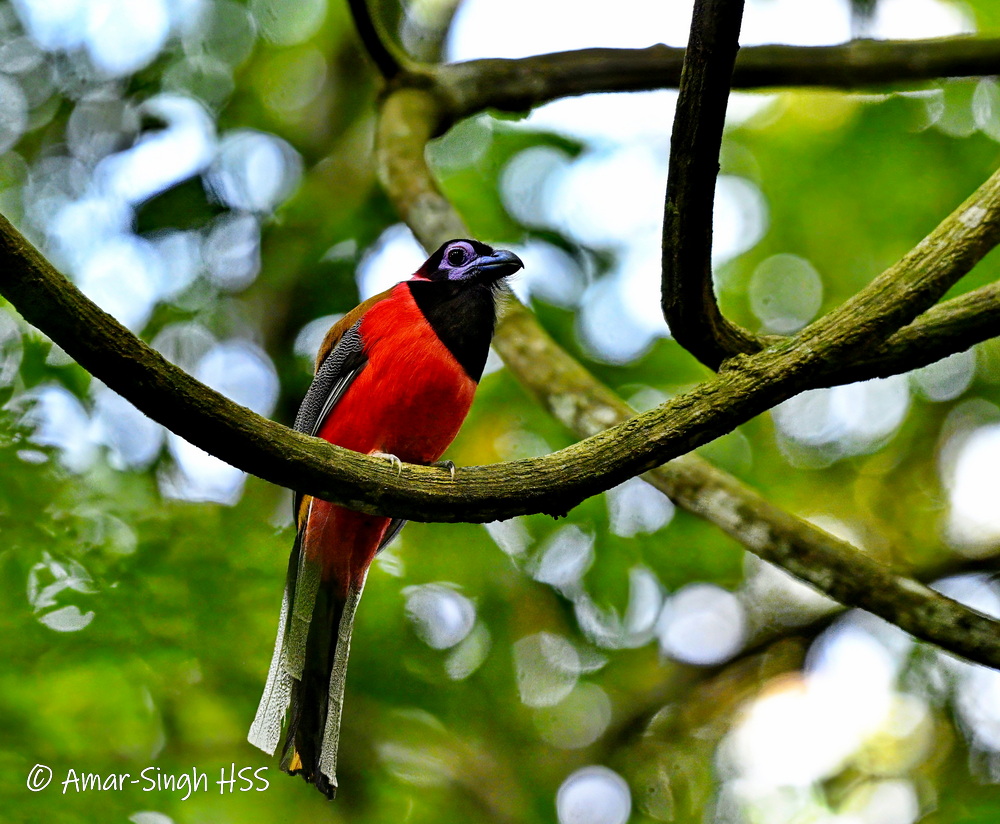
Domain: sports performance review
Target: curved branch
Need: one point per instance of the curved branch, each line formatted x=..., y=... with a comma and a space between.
x=688, y=298
x=587, y=407
x=949, y=327
x=386, y=62
x=553, y=484
x=831, y=565
x=550, y=484
x=912, y=285
x=520, y=85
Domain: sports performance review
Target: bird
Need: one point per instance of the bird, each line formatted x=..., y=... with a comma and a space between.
x=394, y=378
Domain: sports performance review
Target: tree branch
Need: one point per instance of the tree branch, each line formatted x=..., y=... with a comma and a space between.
x=550, y=484
x=943, y=330
x=553, y=484
x=587, y=407
x=831, y=565
x=383, y=58
x=520, y=85
x=688, y=295
x=912, y=285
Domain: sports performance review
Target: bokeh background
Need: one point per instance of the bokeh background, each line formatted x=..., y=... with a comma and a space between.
x=203, y=170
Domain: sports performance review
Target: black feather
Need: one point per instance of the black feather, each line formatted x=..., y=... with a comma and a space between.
x=463, y=315
x=333, y=378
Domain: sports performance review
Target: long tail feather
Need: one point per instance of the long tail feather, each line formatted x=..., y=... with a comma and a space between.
x=338, y=677
x=265, y=732
x=288, y=660
x=309, y=666
x=317, y=697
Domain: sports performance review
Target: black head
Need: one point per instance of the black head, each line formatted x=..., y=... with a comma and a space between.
x=456, y=290
x=469, y=261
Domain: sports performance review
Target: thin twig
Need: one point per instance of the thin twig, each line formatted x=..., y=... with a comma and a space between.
x=688, y=298
x=768, y=639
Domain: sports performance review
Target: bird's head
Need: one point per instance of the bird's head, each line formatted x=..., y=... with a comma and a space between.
x=469, y=261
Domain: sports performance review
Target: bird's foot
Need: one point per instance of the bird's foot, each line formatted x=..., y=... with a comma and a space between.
x=392, y=459
x=449, y=465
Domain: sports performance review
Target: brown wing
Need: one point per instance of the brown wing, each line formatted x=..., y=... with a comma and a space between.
x=341, y=326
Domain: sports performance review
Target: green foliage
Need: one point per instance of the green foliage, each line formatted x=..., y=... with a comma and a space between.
x=136, y=628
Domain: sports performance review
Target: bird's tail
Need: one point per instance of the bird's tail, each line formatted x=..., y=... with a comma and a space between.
x=309, y=665
x=317, y=698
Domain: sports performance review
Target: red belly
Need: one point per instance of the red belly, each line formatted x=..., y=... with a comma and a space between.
x=409, y=401
x=411, y=398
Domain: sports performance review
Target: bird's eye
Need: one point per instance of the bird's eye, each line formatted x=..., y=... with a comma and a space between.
x=456, y=256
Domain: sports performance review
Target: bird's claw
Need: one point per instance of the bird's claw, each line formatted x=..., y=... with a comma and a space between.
x=392, y=459
x=449, y=465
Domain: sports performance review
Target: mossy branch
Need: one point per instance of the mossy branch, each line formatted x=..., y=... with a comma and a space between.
x=557, y=482
x=409, y=118
x=688, y=295
x=522, y=84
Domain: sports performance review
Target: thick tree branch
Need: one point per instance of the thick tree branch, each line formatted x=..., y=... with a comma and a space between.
x=829, y=564
x=550, y=484
x=553, y=484
x=587, y=407
x=520, y=85
x=688, y=294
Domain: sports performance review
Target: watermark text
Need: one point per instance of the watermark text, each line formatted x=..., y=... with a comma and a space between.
x=230, y=779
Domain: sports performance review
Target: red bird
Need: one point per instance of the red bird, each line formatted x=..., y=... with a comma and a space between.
x=395, y=378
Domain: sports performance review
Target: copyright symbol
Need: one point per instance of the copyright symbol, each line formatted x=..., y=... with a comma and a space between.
x=39, y=777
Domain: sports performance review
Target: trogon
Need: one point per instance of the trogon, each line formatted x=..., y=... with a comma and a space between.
x=394, y=378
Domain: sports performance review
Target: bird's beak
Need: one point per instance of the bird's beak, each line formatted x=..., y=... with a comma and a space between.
x=500, y=264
